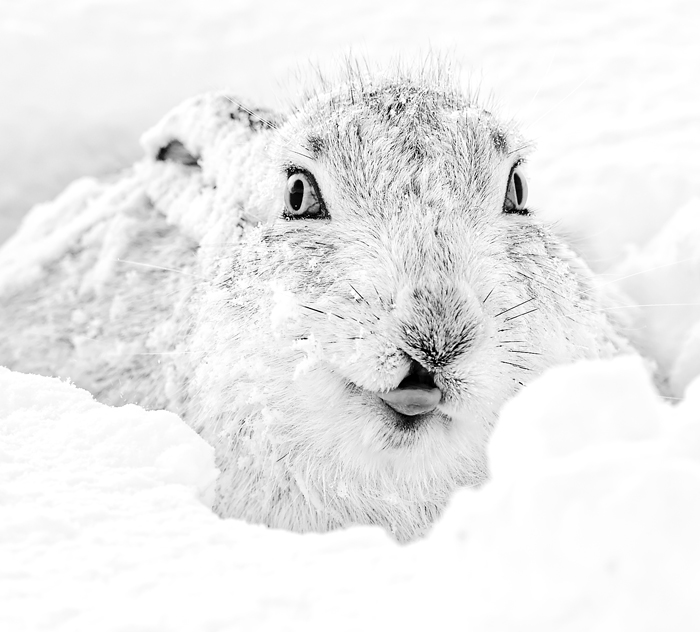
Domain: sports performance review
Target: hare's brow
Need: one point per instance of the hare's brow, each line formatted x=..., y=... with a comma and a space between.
x=500, y=141
x=315, y=145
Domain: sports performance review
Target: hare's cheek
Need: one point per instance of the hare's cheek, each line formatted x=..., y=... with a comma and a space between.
x=369, y=363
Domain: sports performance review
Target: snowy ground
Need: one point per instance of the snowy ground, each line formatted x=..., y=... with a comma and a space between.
x=590, y=522
x=104, y=512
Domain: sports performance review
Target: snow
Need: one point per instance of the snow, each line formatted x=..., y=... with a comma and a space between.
x=51, y=228
x=590, y=521
x=591, y=517
x=665, y=275
x=107, y=524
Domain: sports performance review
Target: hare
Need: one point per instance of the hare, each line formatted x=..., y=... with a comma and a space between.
x=338, y=299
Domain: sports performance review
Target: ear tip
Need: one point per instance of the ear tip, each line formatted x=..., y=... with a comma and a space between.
x=175, y=151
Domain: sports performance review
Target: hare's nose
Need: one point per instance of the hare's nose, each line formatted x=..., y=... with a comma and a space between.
x=436, y=325
x=418, y=377
x=416, y=394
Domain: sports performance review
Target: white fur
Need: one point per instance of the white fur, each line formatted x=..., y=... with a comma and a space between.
x=273, y=337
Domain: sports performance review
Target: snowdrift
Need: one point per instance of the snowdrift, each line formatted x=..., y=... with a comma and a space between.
x=590, y=522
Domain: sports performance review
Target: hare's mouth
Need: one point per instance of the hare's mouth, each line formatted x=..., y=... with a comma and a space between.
x=412, y=403
x=416, y=396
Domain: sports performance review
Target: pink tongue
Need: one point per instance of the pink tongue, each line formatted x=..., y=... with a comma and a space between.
x=412, y=401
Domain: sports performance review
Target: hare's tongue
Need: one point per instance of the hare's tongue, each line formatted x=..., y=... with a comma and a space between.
x=412, y=400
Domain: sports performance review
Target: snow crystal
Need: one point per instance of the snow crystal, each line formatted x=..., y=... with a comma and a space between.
x=285, y=308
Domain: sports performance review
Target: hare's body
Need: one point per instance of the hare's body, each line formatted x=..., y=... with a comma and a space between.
x=287, y=340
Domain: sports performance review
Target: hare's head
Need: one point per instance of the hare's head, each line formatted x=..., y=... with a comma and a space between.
x=393, y=293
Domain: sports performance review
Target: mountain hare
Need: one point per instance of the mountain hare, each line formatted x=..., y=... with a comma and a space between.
x=339, y=299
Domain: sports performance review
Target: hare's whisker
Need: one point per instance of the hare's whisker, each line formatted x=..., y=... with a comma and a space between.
x=604, y=309
x=664, y=265
x=299, y=153
x=521, y=351
x=356, y=292
x=519, y=366
x=165, y=268
x=523, y=314
x=251, y=113
x=558, y=103
x=635, y=305
x=505, y=311
x=539, y=85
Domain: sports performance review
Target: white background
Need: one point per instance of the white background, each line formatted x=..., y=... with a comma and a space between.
x=610, y=91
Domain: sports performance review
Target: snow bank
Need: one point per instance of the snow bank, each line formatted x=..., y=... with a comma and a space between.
x=663, y=278
x=590, y=522
x=591, y=519
x=106, y=526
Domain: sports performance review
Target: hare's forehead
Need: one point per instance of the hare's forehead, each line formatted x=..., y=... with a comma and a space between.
x=399, y=123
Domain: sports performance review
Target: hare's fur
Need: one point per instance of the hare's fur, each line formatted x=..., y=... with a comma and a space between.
x=180, y=285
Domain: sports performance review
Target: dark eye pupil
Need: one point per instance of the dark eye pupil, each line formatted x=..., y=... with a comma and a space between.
x=518, y=188
x=296, y=194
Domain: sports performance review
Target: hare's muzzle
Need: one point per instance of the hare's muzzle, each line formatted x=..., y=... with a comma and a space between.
x=416, y=394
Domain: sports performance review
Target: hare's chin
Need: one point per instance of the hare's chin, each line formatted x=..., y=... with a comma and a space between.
x=414, y=423
x=394, y=415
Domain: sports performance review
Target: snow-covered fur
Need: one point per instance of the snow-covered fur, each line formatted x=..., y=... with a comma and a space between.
x=181, y=284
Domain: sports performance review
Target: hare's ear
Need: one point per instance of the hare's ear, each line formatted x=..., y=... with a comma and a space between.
x=209, y=154
x=175, y=151
x=198, y=126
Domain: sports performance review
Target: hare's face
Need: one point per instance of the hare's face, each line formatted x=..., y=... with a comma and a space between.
x=400, y=291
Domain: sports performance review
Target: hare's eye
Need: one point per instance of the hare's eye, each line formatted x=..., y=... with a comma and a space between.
x=516, y=193
x=302, y=198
